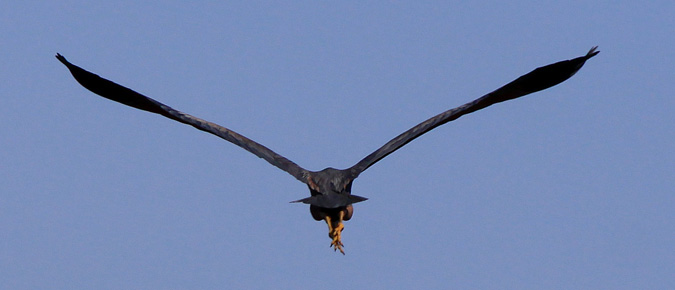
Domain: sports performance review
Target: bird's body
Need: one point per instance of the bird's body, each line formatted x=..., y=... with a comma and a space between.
x=331, y=199
x=330, y=188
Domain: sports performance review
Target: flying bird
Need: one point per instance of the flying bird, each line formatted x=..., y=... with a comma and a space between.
x=330, y=197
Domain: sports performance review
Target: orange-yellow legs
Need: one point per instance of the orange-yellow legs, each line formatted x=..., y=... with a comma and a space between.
x=335, y=232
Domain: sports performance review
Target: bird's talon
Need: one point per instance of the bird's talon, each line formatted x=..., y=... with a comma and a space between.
x=337, y=245
x=336, y=235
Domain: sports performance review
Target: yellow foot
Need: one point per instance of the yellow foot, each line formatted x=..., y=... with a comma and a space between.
x=336, y=234
x=337, y=245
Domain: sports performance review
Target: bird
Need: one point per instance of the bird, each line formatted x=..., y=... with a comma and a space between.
x=331, y=199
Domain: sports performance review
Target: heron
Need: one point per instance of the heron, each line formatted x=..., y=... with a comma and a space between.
x=331, y=199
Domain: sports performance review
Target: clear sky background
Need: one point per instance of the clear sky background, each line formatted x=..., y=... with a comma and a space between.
x=570, y=188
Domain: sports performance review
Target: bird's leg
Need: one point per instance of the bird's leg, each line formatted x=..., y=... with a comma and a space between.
x=336, y=233
x=330, y=226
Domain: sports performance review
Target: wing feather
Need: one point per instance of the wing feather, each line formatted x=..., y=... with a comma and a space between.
x=539, y=79
x=121, y=94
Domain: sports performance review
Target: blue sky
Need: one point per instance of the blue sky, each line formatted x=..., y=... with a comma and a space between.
x=570, y=188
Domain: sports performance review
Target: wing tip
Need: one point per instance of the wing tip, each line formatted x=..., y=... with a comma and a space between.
x=592, y=52
x=62, y=59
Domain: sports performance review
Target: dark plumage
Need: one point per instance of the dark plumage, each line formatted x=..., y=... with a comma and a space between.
x=331, y=199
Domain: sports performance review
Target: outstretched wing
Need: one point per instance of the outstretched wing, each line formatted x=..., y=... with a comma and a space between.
x=539, y=79
x=118, y=93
